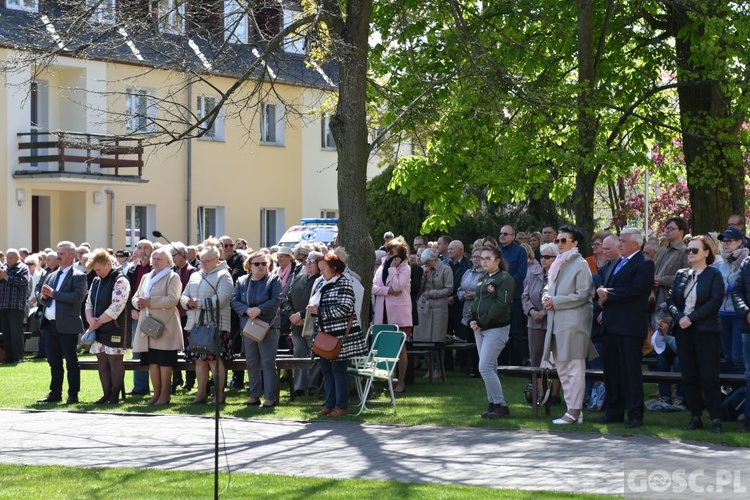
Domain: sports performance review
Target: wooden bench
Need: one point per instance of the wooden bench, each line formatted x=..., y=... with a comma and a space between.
x=434, y=352
x=283, y=362
x=734, y=380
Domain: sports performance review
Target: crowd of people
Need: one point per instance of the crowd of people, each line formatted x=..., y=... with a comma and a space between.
x=528, y=297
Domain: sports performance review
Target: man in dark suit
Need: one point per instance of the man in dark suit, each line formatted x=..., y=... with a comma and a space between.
x=624, y=301
x=62, y=295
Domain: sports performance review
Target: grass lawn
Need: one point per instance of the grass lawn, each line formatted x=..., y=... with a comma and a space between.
x=455, y=403
x=51, y=482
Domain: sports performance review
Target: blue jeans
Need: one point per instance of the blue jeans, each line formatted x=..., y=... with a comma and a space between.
x=668, y=361
x=731, y=342
x=746, y=351
x=336, y=383
x=490, y=344
x=140, y=377
x=262, y=357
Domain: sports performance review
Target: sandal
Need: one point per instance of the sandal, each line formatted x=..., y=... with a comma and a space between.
x=568, y=419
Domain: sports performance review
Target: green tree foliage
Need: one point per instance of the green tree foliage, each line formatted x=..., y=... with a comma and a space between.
x=390, y=211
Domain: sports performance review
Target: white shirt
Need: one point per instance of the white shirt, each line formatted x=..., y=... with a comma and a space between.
x=51, y=309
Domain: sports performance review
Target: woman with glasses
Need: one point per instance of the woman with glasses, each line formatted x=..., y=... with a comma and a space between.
x=533, y=285
x=734, y=252
x=597, y=259
x=391, y=287
x=258, y=295
x=568, y=300
x=694, y=301
x=489, y=317
x=212, y=284
x=294, y=307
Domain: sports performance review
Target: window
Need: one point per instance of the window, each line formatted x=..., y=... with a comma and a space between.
x=104, y=10
x=272, y=124
x=27, y=5
x=293, y=43
x=172, y=16
x=204, y=105
x=139, y=219
x=210, y=222
x=235, y=22
x=271, y=226
x=140, y=110
x=326, y=213
x=326, y=137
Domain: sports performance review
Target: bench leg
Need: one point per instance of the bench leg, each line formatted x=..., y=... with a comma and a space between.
x=534, y=395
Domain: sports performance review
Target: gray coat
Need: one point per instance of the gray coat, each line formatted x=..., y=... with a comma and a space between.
x=531, y=299
x=569, y=323
x=433, y=305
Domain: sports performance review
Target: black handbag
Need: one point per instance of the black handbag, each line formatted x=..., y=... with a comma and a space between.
x=203, y=335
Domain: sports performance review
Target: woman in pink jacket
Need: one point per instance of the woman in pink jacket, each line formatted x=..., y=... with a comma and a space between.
x=391, y=288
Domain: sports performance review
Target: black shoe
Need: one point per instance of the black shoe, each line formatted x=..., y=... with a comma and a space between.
x=607, y=419
x=716, y=426
x=499, y=411
x=489, y=409
x=299, y=393
x=138, y=393
x=50, y=398
x=554, y=400
x=102, y=400
x=40, y=356
x=695, y=423
x=72, y=400
x=633, y=423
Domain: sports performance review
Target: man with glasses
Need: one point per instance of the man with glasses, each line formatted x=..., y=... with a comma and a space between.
x=123, y=258
x=669, y=259
x=737, y=222
x=515, y=257
x=419, y=242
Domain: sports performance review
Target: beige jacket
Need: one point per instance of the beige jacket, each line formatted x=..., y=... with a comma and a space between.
x=164, y=299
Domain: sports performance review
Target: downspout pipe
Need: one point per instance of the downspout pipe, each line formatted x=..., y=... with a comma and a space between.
x=111, y=195
x=189, y=173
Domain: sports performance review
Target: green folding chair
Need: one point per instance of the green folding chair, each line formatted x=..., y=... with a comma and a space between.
x=371, y=333
x=379, y=364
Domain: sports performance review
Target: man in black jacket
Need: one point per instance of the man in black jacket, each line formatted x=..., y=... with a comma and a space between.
x=624, y=300
x=741, y=300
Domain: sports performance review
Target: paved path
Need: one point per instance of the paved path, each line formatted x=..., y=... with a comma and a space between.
x=481, y=457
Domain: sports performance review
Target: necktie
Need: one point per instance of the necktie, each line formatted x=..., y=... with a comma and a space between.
x=49, y=307
x=619, y=266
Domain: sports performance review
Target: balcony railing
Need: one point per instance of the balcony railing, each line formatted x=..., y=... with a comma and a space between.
x=81, y=153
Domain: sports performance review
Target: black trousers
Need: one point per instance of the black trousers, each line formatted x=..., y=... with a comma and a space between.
x=62, y=346
x=11, y=324
x=699, y=355
x=623, y=379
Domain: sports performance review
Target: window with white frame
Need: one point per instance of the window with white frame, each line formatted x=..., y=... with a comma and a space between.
x=139, y=219
x=27, y=5
x=104, y=10
x=140, y=110
x=326, y=137
x=329, y=213
x=272, y=124
x=235, y=22
x=172, y=16
x=210, y=222
x=204, y=106
x=271, y=226
x=293, y=43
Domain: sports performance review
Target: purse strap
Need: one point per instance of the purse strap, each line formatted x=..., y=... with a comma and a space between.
x=211, y=309
x=349, y=326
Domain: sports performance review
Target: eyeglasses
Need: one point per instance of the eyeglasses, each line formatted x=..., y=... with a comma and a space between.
x=506, y=234
x=29, y=263
x=596, y=245
x=546, y=257
x=208, y=261
x=228, y=245
x=311, y=261
x=670, y=229
x=735, y=224
x=120, y=256
x=562, y=240
x=487, y=259
x=476, y=256
x=259, y=264
x=693, y=251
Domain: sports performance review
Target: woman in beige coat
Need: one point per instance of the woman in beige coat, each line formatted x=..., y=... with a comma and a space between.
x=157, y=296
x=567, y=298
x=432, y=306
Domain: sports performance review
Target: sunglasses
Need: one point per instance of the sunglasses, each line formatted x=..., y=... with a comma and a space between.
x=693, y=251
x=546, y=257
x=487, y=259
x=311, y=261
x=562, y=240
x=506, y=234
x=259, y=264
x=228, y=245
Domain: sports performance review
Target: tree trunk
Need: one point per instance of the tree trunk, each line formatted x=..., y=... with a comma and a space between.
x=349, y=129
x=713, y=161
x=587, y=127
